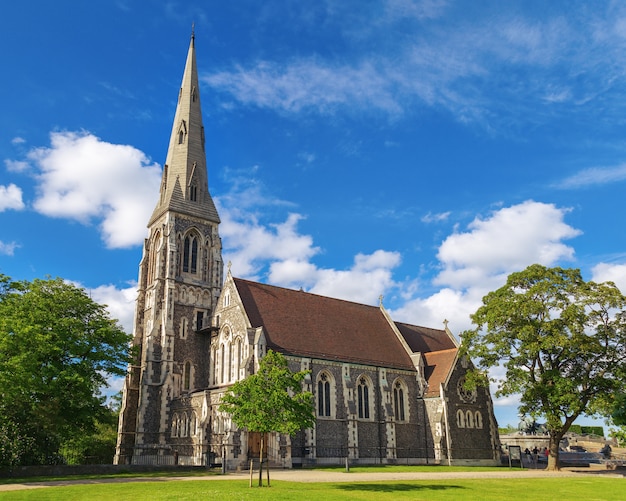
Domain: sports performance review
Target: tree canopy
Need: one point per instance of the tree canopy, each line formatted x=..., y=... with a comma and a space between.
x=561, y=341
x=272, y=400
x=57, y=349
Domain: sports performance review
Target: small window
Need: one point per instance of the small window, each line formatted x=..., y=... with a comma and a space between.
x=460, y=419
x=469, y=419
x=175, y=425
x=222, y=350
x=213, y=362
x=181, y=137
x=183, y=328
x=187, y=376
x=199, y=320
x=193, y=193
x=226, y=298
x=478, y=419
x=363, y=399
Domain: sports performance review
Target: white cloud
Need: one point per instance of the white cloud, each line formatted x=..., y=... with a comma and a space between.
x=595, y=176
x=445, y=304
x=474, y=70
x=16, y=166
x=248, y=245
x=8, y=248
x=120, y=303
x=11, y=198
x=605, y=272
x=435, y=218
x=18, y=140
x=84, y=178
x=307, y=84
x=509, y=240
x=370, y=276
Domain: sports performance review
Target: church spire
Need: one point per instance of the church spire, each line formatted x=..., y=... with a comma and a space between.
x=184, y=186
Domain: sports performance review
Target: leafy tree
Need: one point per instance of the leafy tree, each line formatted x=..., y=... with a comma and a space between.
x=57, y=348
x=618, y=415
x=272, y=400
x=561, y=341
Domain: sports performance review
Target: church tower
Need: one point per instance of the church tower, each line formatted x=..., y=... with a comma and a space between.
x=180, y=279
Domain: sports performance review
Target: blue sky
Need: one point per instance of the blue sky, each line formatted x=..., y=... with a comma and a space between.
x=421, y=150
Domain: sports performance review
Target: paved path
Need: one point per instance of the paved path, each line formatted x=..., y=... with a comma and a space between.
x=336, y=476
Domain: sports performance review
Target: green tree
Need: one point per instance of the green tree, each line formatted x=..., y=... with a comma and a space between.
x=57, y=349
x=272, y=400
x=561, y=341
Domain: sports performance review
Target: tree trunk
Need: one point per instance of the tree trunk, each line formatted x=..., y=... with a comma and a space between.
x=553, y=458
x=267, y=466
x=261, y=461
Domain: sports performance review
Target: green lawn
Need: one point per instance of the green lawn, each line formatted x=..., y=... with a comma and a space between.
x=588, y=488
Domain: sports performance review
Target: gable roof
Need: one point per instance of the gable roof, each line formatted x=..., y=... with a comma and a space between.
x=309, y=325
x=425, y=339
x=305, y=324
x=438, y=366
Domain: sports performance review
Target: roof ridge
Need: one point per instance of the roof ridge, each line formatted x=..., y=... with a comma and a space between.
x=296, y=291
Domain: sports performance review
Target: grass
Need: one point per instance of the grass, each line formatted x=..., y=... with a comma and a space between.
x=216, y=471
x=200, y=472
x=588, y=488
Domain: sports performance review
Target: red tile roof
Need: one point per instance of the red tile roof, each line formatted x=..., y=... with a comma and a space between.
x=438, y=366
x=425, y=339
x=309, y=325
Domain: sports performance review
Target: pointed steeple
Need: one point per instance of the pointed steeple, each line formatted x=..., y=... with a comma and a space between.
x=184, y=186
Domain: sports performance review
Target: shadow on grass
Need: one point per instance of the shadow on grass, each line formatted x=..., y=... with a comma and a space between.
x=395, y=487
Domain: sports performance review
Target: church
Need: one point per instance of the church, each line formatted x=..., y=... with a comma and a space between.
x=385, y=392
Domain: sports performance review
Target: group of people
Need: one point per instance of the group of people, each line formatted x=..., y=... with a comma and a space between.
x=533, y=457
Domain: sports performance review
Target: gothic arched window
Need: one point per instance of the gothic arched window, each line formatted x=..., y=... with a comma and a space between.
x=478, y=419
x=460, y=418
x=152, y=262
x=399, y=401
x=190, y=254
x=238, y=357
x=363, y=398
x=323, y=395
x=469, y=419
x=222, y=349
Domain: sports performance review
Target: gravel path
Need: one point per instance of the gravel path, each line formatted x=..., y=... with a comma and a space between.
x=336, y=476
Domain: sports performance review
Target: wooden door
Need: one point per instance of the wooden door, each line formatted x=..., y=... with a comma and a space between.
x=254, y=445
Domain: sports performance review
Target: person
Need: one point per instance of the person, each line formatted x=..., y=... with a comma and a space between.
x=527, y=454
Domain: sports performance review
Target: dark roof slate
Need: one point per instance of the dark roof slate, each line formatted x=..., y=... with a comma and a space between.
x=309, y=325
x=425, y=339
